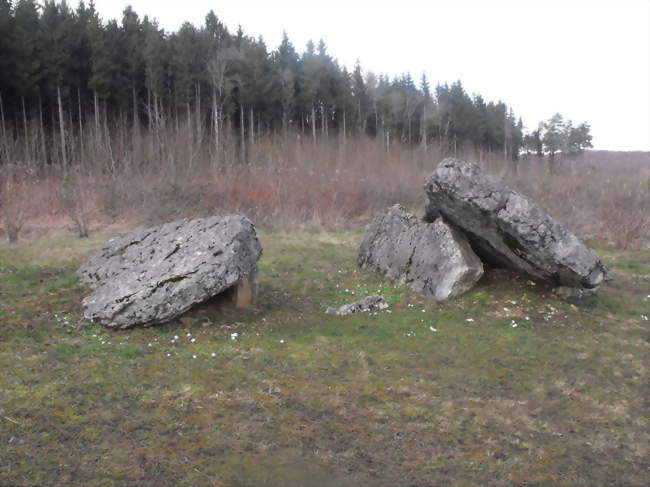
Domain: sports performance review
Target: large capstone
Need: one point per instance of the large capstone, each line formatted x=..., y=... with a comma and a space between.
x=434, y=259
x=507, y=229
x=152, y=276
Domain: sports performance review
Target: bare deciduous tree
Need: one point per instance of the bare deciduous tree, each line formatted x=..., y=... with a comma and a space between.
x=75, y=200
x=14, y=198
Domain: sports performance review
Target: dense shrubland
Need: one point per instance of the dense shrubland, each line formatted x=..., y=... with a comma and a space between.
x=289, y=182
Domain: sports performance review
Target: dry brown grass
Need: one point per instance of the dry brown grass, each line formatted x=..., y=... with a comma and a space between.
x=293, y=182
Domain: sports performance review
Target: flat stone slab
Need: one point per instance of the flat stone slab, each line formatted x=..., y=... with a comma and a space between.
x=154, y=275
x=373, y=302
x=434, y=259
x=506, y=228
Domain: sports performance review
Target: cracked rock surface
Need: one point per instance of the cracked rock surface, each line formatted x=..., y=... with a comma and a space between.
x=373, y=302
x=434, y=259
x=154, y=275
x=507, y=229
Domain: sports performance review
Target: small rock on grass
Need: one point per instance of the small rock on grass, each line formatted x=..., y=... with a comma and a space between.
x=568, y=292
x=369, y=303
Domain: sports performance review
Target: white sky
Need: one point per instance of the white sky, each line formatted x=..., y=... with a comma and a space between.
x=589, y=60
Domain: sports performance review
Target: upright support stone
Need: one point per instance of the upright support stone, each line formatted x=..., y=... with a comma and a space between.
x=434, y=259
x=246, y=292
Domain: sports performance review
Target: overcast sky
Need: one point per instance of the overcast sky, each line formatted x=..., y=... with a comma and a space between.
x=588, y=60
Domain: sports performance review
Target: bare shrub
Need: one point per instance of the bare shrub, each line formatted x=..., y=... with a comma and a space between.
x=287, y=181
x=14, y=200
x=75, y=199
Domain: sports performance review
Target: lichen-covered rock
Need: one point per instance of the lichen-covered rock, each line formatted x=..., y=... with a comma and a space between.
x=373, y=302
x=434, y=259
x=152, y=276
x=507, y=229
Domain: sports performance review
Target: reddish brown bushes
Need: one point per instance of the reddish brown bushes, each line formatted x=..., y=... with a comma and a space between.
x=292, y=182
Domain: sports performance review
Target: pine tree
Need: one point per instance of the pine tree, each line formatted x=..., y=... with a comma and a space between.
x=8, y=57
x=134, y=58
x=155, y=55
x=360, y=98
x=27, y=69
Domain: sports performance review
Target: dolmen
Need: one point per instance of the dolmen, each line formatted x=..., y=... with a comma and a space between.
x=152, y=276
x=472, y=220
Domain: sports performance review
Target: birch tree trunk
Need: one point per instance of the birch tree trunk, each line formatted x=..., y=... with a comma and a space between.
x=5, y=144
x=96, y=117
x=197, y=117
x=424, y=128
x=26, y=131
x=64, y=159
x=251, y=136
x=81, y=128
x=42, y=129
x=215, y=119
x=241, y=126
x=190, y=134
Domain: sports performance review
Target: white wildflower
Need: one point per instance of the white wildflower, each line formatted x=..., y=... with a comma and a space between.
x=432, y=328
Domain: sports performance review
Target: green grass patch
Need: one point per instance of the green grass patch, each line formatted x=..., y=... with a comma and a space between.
x=507, y=385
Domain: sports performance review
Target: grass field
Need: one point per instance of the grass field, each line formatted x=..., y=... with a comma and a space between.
x=506, y=386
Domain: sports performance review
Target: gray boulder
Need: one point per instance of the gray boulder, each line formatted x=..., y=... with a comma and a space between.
x=152, y=276
x=373, y=302
x=507, y=229
x=434, y=259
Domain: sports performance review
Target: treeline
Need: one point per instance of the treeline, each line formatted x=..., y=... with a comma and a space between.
x=62, y=69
